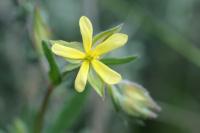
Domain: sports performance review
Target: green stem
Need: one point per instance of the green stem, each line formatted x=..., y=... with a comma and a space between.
x=40, y=116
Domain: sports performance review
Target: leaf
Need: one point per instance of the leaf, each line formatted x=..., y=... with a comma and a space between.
x=105, y=34
x=96, y=82
x=54, y=72
x=118, y=61
x=69, y=113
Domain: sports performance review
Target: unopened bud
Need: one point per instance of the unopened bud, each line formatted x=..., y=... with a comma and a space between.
x=41, y=30
x=134, y=100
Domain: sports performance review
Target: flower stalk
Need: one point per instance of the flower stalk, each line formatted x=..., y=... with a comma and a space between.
x=41, y=114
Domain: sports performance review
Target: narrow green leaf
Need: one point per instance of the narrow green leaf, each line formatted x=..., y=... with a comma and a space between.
x=105, y=34
x=54, y=72
x=69, y=113
x=118, y=61
x=96, y=83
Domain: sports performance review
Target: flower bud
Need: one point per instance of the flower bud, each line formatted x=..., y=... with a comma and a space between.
x=134, y=100
x=41, y=30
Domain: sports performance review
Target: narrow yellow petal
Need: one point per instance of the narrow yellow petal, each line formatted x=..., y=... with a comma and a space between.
x=115, y=41
x=67, y=52
x=108, y=75
x=86, y=32
x=81, y=78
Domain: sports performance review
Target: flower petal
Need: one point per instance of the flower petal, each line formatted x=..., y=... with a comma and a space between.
x=86, y=32
x=115, y=41
x=67, y=52
x=108, y=75
x=81, y=78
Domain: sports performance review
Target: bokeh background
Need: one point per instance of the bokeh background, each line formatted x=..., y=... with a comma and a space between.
x=164, y=35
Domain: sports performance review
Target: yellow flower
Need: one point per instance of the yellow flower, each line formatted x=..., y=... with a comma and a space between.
x=90, y=57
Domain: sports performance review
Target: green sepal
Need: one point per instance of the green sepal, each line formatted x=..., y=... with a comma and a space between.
x=96, y=82
x=71, y=67
x=54, y=72
x=76, y=45
x=100, y=37
x=118, y=61
x=116, y=105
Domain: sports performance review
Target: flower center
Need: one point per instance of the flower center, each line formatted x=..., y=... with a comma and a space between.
x=90, y=56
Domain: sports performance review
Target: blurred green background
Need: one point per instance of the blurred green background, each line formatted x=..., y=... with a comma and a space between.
x=164, y=34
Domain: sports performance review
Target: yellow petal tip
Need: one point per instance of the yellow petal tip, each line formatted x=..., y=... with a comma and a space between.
x=81, y=78
x=123, y=38
x=115, y=80
x=79, y=89
x=86, y=32
x=83, y=17
x=54, y=47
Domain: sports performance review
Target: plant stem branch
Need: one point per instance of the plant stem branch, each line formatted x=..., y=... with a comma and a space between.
x=40, y=116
